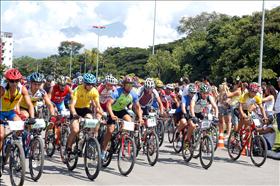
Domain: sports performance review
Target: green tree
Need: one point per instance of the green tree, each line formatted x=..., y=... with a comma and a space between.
x=66, y=47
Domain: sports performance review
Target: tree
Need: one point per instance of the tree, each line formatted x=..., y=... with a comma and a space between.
x=66, y=46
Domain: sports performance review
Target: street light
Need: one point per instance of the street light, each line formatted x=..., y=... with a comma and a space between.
x=71, y=59
x=261, y=47
x=97, y=57
x=154, y=30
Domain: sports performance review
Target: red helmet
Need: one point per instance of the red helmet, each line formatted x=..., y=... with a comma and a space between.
x=127, y=79
x=254, y=87
x=13, y=74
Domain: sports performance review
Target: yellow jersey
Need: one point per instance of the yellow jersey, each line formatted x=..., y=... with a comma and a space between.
x=83, y=97
x=7, y=102
x=248, y=102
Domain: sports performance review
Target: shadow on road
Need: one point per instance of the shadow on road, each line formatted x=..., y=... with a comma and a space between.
x=228, y=160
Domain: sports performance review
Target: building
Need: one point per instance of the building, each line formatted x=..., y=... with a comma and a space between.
x=6, y=49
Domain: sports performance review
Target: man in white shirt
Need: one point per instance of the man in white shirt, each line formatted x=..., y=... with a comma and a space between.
x=277, y=106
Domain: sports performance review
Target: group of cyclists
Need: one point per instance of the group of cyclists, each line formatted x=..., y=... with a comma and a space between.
x=231, y=105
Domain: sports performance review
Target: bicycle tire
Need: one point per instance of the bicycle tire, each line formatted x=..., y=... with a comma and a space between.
x=213, y=132
x=92, y=144
x=261, y=145
x=234, y=145
x=17, y=145
x=196, y=138
x=131, y=144
x=187, y=153
x=206, y=140
x=41, y=156
x=177, y=140
x=170, y=131
x=64, y=133
x=73, y=165
x=50, y=142
x=160, y=132
x=152, y=135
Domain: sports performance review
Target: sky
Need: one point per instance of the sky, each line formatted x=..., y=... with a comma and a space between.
x=38, y=27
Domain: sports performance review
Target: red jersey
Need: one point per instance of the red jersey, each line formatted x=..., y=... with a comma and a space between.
x=58, y=95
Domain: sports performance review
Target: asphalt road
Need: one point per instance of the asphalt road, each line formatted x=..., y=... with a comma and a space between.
x=170, y=170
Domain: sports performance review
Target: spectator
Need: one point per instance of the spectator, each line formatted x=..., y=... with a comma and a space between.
x=277, y=106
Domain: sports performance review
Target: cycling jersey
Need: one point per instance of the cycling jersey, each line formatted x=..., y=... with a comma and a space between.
x=146, y=98
x=247, y=101
x=200, y=104
x=104, y=95
x=7, y=102
x=57, y=95
x=83, y=97
x=122, y=100
x=39, y=94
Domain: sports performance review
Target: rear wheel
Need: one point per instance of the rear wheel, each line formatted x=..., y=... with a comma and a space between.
x=160, y=132
x=36, y=158
x=214, y=134
x=234, y=145
x=187, y=149
x=196, y=143
x=126, y=155
x=64, y=133
x=258, y=150
x=92, y=159
x=17, y=164
x=73, y=157
x=170, y=130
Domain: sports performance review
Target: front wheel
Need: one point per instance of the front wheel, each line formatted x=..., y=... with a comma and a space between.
x=177, y=141
x=258, y=150
x=152, y=148
x=50, y=142
x=206, y=152
x=126, y=155
x=160, y=132
x=36, y=158
x=92, y=158
x=17, y=164
x=170, y=130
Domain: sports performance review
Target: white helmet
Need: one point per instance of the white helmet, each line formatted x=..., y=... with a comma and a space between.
x=111, y=79
x=149, y=83
x=170, y=86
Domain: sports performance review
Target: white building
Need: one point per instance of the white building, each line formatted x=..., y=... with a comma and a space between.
x=6, y=49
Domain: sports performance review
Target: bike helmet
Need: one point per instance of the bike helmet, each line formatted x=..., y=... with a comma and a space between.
x=36, y=77
x=110, y=79
x=49, y=78
x=149, y=83
x=127, y=80
x=192, y=88
x=80, y=79
x=169, y=86
x=204, y=88
x=13, y=74
x=159, y=83
x=89, y=78
x=61, y=80
x=254, y=87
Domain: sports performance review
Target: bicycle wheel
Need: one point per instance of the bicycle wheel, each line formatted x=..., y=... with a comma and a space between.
x=50, y=142
x=170, y=131
x=73, y=157
x=112, y=146
x=92, y=158
x=177, y=141
x=17, y=164
x=152, y=148
x=64, y=133
x=213, y=132
x=137, y=139
x=36, y=158
x=258, y=150
x=206, y=151
x=234, y=145
x=126, y=155
x=187, y=149
x=160, y=132
x=196, y=143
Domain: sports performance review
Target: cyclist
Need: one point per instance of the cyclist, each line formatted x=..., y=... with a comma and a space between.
x=171, y=96
x=249, y=102
x=116, y=108
x=48, y=84
x=199, y=106
x=80, y=106
x=36, y=94
x=147, y=94
x=10, y=94
x=59, y=91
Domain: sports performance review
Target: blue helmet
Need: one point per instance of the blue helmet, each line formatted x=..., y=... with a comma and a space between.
x=89, y=78
x=36, y=77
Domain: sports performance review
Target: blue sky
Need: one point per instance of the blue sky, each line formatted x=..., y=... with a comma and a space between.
x=39, y=27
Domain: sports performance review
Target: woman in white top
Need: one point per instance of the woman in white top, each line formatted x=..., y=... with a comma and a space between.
x=269, y=96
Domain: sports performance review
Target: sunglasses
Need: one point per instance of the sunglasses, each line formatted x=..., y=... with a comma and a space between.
x=88, y=84
x=13, y=81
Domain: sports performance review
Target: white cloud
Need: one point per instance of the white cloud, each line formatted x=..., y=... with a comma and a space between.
x=36, y=25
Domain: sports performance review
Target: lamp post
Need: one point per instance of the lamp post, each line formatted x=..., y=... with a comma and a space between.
x=71, y=53
x=154, y=29
x=261, y=47
x=97, y=57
